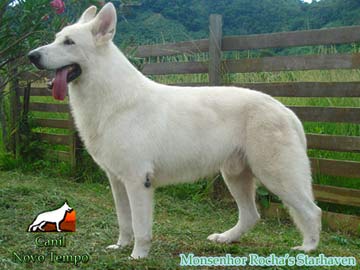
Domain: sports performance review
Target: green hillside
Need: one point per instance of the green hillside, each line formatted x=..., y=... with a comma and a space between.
x=153, y=21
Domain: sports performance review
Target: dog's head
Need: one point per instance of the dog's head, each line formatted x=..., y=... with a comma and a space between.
x=67, y=207
x=69, y=53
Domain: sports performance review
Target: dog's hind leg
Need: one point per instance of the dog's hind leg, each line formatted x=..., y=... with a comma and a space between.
x=123, y=213
x=287, y=175
x=242, y=188
x=308, y=223
x=33, y=227
x=41, y=225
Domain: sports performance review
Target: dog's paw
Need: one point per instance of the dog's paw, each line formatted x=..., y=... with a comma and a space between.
x=119, y=245
x=219, y=238
x=116, y=246
x=304, y=248
x=138, y=255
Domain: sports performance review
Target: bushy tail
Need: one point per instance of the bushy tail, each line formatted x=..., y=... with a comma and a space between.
x=299, y=129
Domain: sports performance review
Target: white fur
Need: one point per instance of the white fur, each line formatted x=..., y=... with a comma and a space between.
x=134, y=127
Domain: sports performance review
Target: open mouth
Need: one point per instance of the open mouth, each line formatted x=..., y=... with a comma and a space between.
x=63, y=76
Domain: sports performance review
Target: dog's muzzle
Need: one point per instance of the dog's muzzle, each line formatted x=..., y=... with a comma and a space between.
x=35, y=58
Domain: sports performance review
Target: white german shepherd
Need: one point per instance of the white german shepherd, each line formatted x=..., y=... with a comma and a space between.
x=144, y=134
x=55, y=216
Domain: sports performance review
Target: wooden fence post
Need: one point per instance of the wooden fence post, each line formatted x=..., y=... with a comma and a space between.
x=3, y=120
x=15, y=115
x=25, y=113
x=74, y=143
x=215, y=43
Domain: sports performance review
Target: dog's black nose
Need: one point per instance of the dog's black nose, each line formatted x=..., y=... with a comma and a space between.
x=35, y=57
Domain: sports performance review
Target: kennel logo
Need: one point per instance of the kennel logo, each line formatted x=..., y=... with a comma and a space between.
x=62, y=219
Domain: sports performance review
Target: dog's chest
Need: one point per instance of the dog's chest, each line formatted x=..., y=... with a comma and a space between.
x=87, y=119
x=90, y=133
x=102, y=132
x=92, y=136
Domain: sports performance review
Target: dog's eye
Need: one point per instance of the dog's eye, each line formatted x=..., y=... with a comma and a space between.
x=69, y=41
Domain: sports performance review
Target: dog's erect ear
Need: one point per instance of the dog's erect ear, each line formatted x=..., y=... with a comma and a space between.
x=88, y=15
x=104, y=25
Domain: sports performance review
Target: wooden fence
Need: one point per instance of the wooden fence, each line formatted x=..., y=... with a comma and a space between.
x=58, y=131
x=215, y=67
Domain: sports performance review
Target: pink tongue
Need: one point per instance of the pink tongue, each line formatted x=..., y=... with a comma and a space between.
x=60, y=84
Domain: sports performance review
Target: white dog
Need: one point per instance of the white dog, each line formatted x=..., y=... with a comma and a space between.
x=144, y=134
x=55, y=216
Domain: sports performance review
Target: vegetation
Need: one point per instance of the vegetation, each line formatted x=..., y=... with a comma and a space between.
x=25, y=25
x=178, y=227
x=28, y=24
x=157, y=21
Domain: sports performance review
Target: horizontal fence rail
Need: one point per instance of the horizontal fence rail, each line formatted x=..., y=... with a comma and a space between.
x=337, y=195
x=333, y=142
x=187, y=47
x=264, y=64
x=55, y=138
x=339, y=35
x=37, y=91
x=35, y=76
x=175, y=68
x=53, y=123
x=49, y=107
x=327, y=114
x=295, y=89
x=292, y=63
x=306, y=89
x=331, y=167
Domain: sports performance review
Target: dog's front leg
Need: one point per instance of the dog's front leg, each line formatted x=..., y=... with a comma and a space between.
x=123, y=212
x=141, y=204
x=58, y=226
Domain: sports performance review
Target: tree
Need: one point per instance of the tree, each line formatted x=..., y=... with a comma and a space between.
x=25, y=25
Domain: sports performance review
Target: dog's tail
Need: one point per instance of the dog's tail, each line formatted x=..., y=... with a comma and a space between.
x=299, y=129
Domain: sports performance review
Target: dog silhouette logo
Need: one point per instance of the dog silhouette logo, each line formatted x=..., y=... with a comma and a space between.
x=62, y=219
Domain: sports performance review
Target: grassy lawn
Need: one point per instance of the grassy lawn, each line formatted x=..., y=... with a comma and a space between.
x=182, y=223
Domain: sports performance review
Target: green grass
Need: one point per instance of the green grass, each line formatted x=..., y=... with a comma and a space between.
x=181, y=224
